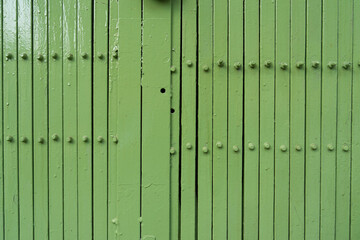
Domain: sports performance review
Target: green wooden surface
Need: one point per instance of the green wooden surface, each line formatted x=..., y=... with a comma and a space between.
x=179, y=119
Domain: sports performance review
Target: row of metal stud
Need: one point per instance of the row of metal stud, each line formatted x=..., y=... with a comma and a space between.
x=55, y=56
x=55, y=137
x=268, y=64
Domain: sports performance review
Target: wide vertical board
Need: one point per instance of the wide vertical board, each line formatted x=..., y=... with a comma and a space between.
x=355, y=162
x=112, y=119
x=175, y=118
x=188, y=120
x=205, y=121
x=129, y=119
x=100, y=126
x=267, y=104
x=282, y=99
x=328, y=119
x=84, y=130
x=235, y=119
x=25, y=119
x=343, y=162
x=251, y=120
x=40, y=119
x=55, y=120
x=313, y=120
x=220, y=97
x=10, y=98
x=155, y=201
x=2, y=210
x=70, y=119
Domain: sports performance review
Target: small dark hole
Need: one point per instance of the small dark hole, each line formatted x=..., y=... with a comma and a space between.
x=162, y=90
x=172, y=110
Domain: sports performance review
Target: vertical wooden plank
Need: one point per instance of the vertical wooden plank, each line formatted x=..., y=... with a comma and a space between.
x=205, y=123
x=282, y=98
x=40, y=118
x=297, y=119
x=313, y=119
x=10, y=78
x=100, y=126
x=112, y=119
x=70, y=120
x=344, y=120
x=156, y=120
x=129, y=124
x=175, y=118
x=251, y=120
x=55, y=121
x=355, y=162
x=25, y=119
x=235, y=119
x=188, y=120
x=328, y=117
x=84, y=94
x=267, y=104
x=2, y=210
x=220, y=106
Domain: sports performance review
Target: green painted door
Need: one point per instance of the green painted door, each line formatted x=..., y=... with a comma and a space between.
x=180, y=120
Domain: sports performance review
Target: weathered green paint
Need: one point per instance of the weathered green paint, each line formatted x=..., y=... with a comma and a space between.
x=174, y=119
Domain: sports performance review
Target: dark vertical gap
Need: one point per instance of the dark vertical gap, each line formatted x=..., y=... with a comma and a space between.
x=212, y=121
x=32, y=115
x=227, y=64
x=197, y=122
x=259, y=114
x=2, y=115
x=17, y=115
x=321, y=80
x=274, y=143
x=47, y=113
x=62, y=116
x=76, y=138
x=305, y=99
x=92, y=114
x=141, y=108
x=289, y=109
x=337, y=105
x=107, y=114
x=243, y=125
x=180, y=114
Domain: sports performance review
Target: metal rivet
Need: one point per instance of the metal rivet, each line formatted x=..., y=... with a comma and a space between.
x=251, y=146
x=252, y=64
x=85, y=139
x=23, y=139
x=236, y=148
x=267, y=145
x=100, y=55
x=54, y=55
x=315, y=64
x=313, y=146
x=69, y=139
x=219, y=144
x=115, y=54
x=267, y=64
x=8, y=56
x=23, y=56
x=283, y=148
x=206, y=68
x=84, y=55
x=115, y=139
x=189, y=63
x=55, y=137
x=40, y=57
x=283, y=66
x=100, y=139
x=172, y=151
x=41, y=140
x=298, y=148
x=299, y=65
x=345, y=148
x=188, y=146
x=237, y=65
x=69, y=56
x=331, y=65
x=220, y=62
x=9, y=138
x=346, y=65
x=205, y=149
x=330, y=147
x=173, y=69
